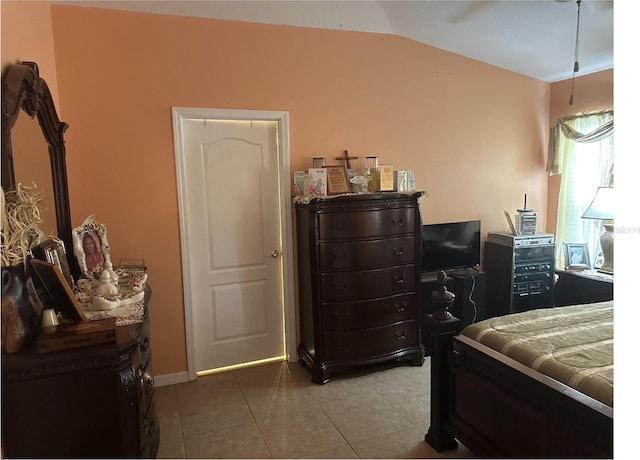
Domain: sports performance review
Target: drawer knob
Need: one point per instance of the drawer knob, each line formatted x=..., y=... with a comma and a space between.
x=340, y=257
x=400, y=308
x=149, y=426
x=401, y=335
x=148, y=385
x=338, y=226
x=340, y=285
x=398, y=251
x=398, y=222
x=398, y=279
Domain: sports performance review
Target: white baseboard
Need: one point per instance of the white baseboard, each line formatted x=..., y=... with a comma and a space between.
x=182, y=377
x=170, y=379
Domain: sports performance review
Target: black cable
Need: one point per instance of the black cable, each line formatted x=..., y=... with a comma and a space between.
x=475, y=309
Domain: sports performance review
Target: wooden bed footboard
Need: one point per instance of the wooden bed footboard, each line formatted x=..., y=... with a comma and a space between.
x=498, y=407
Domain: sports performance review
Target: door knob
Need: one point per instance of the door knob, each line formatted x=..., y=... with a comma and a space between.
x=274, y=254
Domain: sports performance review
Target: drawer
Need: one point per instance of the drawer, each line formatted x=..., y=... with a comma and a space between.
x=367, y=284
x=369, y=343
x=361, y=255
x=340, y=316
x=365, y=224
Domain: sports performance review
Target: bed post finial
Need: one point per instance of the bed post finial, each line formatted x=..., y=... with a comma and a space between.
x=442, y=298
x=442, y=327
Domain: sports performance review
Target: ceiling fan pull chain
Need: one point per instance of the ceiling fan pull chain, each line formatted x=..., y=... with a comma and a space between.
x=576, y=64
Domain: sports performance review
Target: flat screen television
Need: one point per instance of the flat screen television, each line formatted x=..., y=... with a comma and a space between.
x=451, y=245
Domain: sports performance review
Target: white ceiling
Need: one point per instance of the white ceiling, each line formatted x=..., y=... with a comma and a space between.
x=534, y=38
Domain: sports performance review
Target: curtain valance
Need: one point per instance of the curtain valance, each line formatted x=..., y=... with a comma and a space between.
x=566, y=126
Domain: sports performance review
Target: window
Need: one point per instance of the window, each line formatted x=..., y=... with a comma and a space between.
x=582, y=151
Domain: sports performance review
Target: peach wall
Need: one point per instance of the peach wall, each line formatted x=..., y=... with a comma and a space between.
x=27, y=35
x=475, y=135
x=591, y=92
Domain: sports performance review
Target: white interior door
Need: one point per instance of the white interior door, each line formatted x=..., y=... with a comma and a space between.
x=232, y=240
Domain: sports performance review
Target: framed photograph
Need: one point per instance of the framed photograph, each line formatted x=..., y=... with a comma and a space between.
x=91, y=247
x=54, y=291
x=298, y=183
x=317, y=181
x=401, y=181
x=337, y=180
x=576, y=256
x=53, y=251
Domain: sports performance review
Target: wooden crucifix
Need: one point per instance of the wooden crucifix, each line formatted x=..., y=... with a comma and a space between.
x=347, y=158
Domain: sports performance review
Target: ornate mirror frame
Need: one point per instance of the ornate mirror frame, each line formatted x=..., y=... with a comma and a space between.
x=24, y=89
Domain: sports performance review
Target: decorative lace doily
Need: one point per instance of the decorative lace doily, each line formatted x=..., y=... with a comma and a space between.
x=128, y=314
x=306, y=199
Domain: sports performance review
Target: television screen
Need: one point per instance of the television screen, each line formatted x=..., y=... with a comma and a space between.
x=450, y=245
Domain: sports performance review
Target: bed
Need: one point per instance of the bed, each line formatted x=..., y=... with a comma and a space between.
x=531, y=384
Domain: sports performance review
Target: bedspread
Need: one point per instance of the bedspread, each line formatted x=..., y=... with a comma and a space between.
x=573, y=344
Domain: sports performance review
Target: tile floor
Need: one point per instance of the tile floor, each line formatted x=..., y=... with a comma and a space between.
x=274, y=411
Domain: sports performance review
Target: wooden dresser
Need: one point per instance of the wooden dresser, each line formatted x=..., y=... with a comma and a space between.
x=359, y=281
x=95, y=401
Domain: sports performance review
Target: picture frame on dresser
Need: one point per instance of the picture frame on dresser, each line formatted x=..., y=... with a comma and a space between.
x=53, y=251
x=91, y=247
x=576, y=256
x=337, y=180
x=54, y=292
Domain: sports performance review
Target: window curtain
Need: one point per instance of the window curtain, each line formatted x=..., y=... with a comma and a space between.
x=581, y=150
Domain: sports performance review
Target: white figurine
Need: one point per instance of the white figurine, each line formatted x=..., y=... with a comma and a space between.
x=105, y=287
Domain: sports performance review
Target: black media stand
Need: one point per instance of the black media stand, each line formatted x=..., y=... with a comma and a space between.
x=470, y=288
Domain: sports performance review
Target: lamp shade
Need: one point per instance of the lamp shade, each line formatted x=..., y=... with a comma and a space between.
x=602, y=205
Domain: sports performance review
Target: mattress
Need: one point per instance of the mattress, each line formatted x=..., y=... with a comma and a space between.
x=573, y=344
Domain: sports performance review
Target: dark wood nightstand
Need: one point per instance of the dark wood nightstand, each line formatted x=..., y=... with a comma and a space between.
x=587, y=286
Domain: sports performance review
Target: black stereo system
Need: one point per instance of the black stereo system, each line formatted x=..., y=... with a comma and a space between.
x=519, y=271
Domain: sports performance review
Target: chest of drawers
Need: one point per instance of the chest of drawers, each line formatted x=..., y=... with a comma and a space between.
x=95, y=401
x=359, y=281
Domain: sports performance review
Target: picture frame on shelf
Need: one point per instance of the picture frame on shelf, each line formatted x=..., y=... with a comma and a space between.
x=576, y=256
x=337, y=180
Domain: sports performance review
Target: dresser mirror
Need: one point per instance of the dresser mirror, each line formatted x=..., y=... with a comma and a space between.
x=30, y=128
x=29, y=148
